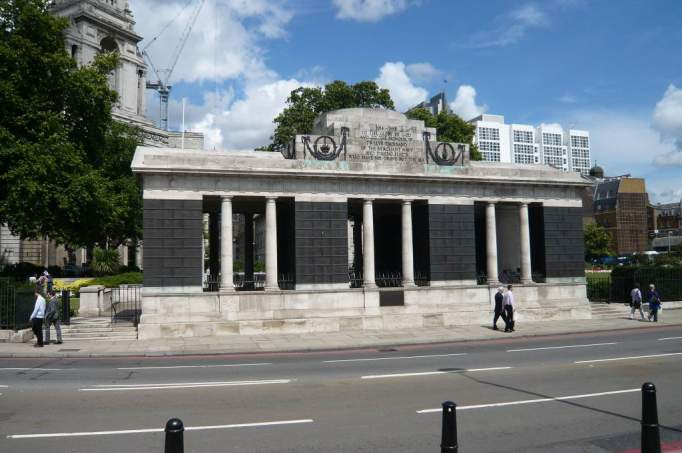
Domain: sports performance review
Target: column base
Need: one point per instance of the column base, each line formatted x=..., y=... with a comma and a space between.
x=526, y=281
x=494, y=283
x=271, y=288
x=369, y=285
x=409, y=284
x=226, y=289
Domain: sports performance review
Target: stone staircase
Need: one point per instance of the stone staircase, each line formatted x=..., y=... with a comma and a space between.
x=97, y=329
x=603, y=310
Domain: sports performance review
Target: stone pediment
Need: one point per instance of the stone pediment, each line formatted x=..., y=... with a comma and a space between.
x=378, y=138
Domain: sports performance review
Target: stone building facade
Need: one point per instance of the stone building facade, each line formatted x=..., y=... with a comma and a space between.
x=378, y=224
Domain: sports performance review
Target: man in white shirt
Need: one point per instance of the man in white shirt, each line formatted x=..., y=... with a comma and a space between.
x=509, y=306
x=37, y=319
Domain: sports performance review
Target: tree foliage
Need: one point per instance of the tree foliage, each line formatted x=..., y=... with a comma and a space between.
x=449, y=128
x=64, y=163
x=306, y=103
x=598, y=242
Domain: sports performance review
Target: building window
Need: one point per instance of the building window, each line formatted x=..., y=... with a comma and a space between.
x=490, y=150
x=488, y=133
x=523, y=154
x=551, y=139
x=579, y=141
x=523, y=136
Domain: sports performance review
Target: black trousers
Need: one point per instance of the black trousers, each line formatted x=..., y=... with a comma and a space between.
x=37, y=327
x=498, y=315
x=509, y=321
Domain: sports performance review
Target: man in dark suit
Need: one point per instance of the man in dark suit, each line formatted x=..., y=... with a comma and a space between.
x=499, y=309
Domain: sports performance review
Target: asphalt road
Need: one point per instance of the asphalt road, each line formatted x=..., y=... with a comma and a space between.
x=353, y=401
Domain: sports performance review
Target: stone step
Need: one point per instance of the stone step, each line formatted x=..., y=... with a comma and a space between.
x=100, y=336
x=108, y=330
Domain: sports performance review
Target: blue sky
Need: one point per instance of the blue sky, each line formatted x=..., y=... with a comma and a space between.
x=611, y=67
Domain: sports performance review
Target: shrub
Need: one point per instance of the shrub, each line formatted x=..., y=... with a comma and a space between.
x=21, y=271
x=105, y=261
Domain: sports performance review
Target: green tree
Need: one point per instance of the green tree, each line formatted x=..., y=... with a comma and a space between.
x=305, y=104
x=598, y=241
x=449, y=128
x=64, y=163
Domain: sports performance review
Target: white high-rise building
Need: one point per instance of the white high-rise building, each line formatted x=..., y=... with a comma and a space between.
x=547, y=144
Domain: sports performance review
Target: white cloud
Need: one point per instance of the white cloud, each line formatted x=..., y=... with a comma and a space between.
x=667, y=120
x=465, y=105
x=422, y=71
x=369, y=10
x=224, y=42
x=625, y=142
x=404, y=93
x=512, y=26
x=245, y=123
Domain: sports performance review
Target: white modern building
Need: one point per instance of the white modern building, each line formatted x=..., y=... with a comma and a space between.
x=548, y=144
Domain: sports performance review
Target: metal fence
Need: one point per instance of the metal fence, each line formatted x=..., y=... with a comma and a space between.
x=126, y=304
x=616, y=288
x=7, y=305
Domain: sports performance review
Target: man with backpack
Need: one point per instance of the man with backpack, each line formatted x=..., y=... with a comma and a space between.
x=654, y=303
x=52, y=317
x=636, y=302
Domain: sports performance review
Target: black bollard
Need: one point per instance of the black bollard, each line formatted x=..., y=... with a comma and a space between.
x=174, y=436
x=651, y=440
x=448, y=442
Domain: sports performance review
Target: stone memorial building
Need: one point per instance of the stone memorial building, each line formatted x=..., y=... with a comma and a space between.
x=370, y=223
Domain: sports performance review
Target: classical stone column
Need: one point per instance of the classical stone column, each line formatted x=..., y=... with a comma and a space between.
x=271, y=244
x=248, y=251
x=368, y=244
x=408, y=259
x=491, y=244
x=526, y=276
x=226, y=279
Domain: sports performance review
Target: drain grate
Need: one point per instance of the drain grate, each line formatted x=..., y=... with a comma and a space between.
x=68, y=350
x=387, y=350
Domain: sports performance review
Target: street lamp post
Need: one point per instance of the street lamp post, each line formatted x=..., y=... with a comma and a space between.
x=670, y=235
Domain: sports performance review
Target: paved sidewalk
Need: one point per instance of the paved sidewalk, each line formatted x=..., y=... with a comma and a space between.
x=236, y=344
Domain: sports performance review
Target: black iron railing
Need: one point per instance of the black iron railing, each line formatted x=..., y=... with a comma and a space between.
x=422, y=279
x=286, y=281
x=126, y=304
x=7, y=304
x=389, y=279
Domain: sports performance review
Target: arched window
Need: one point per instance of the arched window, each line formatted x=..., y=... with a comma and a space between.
x=108, y=44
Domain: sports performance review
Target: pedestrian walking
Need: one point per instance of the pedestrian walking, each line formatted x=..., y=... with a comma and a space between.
x=654, y=303
x=40, y=284
x=37, y=319
x=636, y=302
x=499, y=309
x=52, y=318
x=49, y=281
x=509, y=305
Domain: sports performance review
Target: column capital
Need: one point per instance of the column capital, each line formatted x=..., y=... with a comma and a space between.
x=367, y=200
x=490, y=203
x=524, y=204
x=226, y=197
x=408, y=201
x=271, y=198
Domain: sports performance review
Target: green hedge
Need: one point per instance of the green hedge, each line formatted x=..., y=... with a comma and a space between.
x=112, y=281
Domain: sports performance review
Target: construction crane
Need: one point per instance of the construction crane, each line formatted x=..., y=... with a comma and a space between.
x=163, y=76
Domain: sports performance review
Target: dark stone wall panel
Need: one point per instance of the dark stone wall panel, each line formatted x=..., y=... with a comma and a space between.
x=452, y=242
x=172, y=243
x=321, y=242
x=564, y=243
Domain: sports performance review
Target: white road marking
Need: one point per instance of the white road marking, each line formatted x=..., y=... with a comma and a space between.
x=162, y=386
x=670, y=338
x=190, y=366
x=3, y=386
x=431, y=373
x=159, y=430
x=395, y=358
x=561, y=347
x=31, y=369
x=539, y=400
x=630, y=358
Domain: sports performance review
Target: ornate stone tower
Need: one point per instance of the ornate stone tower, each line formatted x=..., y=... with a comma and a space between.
x=105, y=26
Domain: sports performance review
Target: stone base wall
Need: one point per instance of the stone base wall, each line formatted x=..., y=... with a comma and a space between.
x=208, y=314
